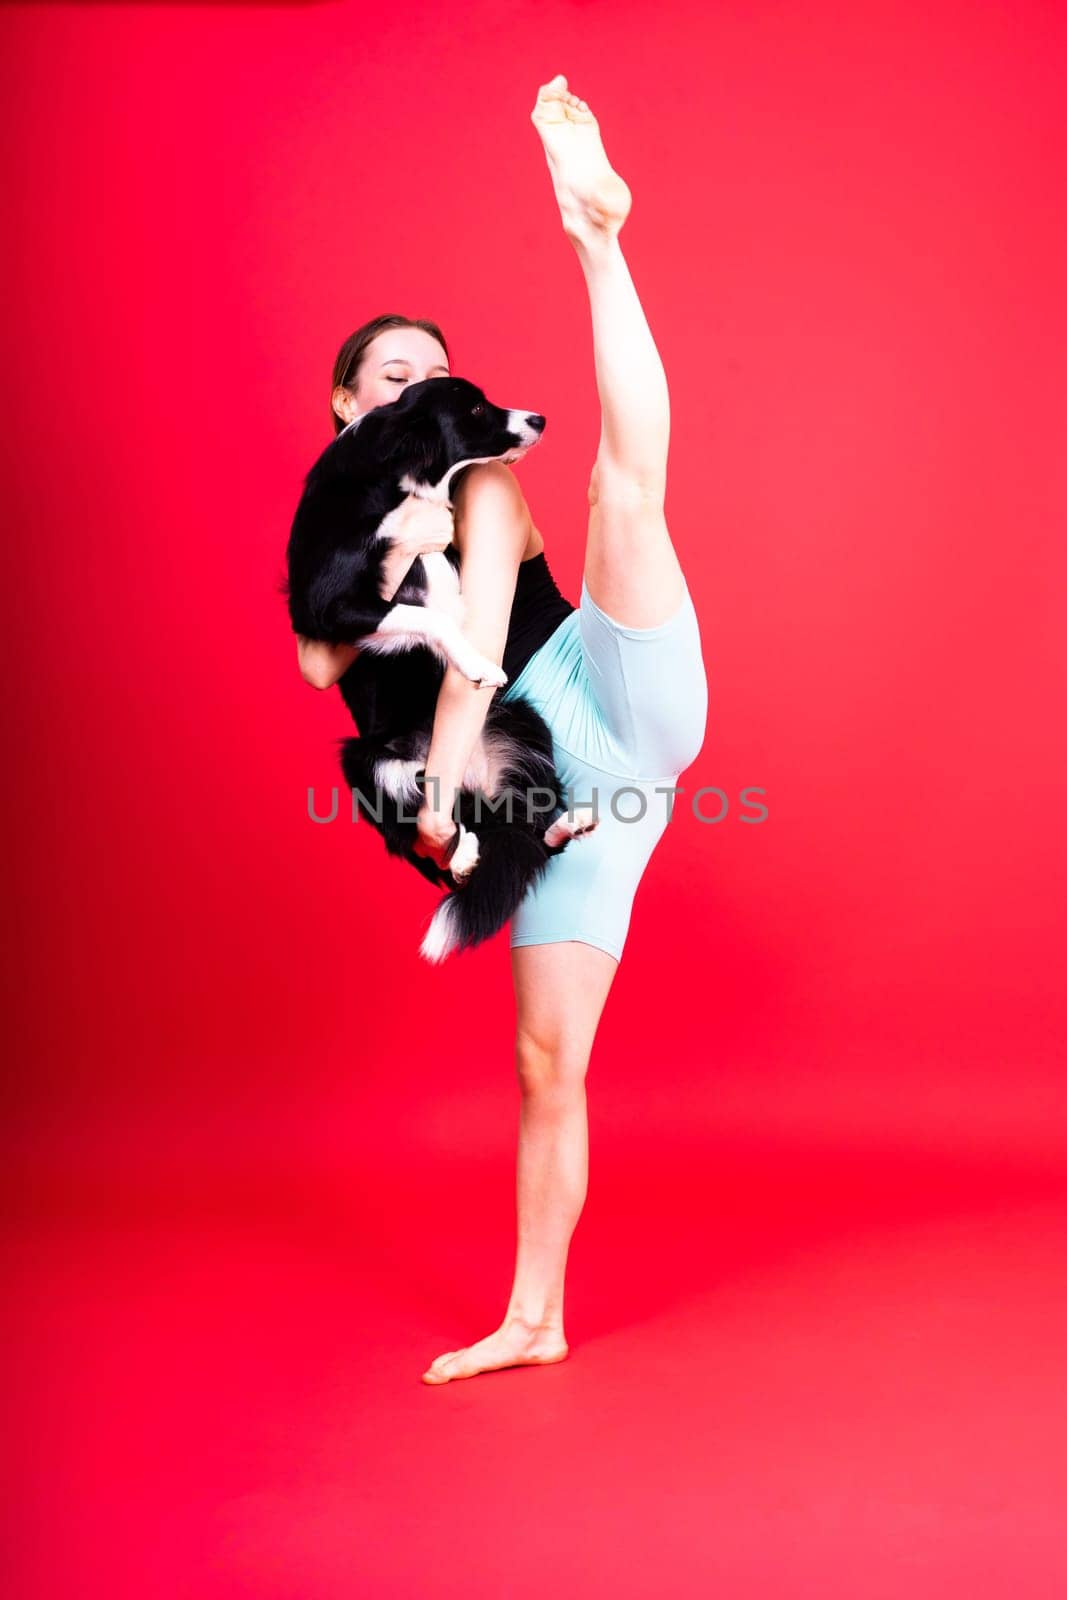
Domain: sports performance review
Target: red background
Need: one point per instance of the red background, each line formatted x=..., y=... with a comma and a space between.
x=251, y=1192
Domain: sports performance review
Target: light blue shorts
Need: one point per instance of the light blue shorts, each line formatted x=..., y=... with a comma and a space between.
x=627, y=708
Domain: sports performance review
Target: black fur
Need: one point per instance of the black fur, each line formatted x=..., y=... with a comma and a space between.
x=334, y=561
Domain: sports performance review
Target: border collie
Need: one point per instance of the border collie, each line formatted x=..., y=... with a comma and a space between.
x=511, y=814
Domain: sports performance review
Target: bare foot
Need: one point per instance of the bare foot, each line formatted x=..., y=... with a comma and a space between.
x=513, y=1344
x=594, y=201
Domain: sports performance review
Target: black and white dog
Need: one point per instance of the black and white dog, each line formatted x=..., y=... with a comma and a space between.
x=511, y=811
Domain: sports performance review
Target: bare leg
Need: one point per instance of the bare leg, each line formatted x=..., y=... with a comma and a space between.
x=631, y=568
x=560, y=991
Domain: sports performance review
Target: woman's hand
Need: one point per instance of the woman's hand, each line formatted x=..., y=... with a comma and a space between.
x=436, y=831
x=438, y=835
x=421, y=527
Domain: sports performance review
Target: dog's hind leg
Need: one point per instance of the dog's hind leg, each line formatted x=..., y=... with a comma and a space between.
x=386, y=793
x=571, y=825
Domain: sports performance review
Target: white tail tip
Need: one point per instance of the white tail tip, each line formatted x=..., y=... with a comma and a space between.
x=442, y=936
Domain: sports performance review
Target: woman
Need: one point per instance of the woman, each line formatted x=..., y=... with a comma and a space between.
x=620, y=680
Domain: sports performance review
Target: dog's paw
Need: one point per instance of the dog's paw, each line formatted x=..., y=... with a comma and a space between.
x=464, y=858
x=570, y=826
x=491, y=675
x=482, y=671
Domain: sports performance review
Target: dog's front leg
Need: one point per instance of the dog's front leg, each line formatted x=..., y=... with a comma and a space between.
x=410, y=625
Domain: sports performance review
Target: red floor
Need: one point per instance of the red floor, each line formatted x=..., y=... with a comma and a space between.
x=795, y=1370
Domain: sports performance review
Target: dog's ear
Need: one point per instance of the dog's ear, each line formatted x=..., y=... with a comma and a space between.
x=411, y=440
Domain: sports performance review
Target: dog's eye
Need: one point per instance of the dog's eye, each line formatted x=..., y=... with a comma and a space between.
x=477, y=410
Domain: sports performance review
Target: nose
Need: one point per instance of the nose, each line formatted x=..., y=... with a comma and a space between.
x=536, y=423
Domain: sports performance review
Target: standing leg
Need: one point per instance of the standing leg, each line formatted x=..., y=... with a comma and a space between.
x=631, y=568
x=560, y=991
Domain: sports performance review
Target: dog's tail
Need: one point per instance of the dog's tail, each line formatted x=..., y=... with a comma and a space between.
x=509, y=862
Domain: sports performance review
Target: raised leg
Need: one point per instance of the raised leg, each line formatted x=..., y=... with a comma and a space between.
x=631, y=569
x=560, y=992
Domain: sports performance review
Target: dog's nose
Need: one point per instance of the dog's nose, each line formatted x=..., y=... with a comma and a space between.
x=536, y=422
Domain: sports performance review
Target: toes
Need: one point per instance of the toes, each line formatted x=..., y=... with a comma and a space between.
x=556, y=93
x=554, y=89
x=435, y=1372
x=455, y=1364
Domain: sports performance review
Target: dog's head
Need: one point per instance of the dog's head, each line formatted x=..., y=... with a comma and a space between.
x=440, y=425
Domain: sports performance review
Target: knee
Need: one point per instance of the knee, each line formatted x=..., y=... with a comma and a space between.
x=549, y=1072
x=623, y=487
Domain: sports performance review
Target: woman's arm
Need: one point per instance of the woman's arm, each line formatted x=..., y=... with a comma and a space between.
x=321, y=664
x=492, y=527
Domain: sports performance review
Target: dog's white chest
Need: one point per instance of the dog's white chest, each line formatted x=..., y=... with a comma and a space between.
x=442, y=585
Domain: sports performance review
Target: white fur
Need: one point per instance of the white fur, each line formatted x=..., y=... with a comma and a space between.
x=391, y=519
x=574, y=826
x=442, y=935
x=398, y=779
x=465, y=856
x=442, y=580
x=442, y=586
x=410, y=625
x=491, y=754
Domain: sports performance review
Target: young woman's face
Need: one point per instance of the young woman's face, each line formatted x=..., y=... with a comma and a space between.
x=394, y=359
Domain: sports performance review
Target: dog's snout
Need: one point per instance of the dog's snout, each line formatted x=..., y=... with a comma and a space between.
x=527, y=427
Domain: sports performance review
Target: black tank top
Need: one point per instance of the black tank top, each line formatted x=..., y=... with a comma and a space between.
x=536, y=612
